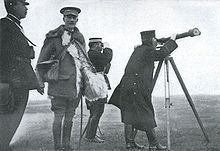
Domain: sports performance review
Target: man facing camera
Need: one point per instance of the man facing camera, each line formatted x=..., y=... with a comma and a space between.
x=67, y=44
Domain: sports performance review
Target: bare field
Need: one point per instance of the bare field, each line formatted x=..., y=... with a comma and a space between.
x=35, y=132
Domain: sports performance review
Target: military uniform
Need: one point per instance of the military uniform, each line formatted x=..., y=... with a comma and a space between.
x=16, y=70
x=100, y=60
x=65, y=92
x=133, y=94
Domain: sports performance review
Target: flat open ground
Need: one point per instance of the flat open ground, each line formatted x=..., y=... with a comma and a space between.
x=35, y=133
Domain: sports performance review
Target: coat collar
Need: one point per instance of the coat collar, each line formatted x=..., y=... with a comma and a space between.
x=58, y=32
x=14, y=18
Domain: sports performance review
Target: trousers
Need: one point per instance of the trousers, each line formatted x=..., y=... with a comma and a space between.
x=64, y=111
x=96, y=111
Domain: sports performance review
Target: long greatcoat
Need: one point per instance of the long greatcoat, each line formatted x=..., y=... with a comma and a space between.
x=15, y=65
x=66, y=84
x=133, y=94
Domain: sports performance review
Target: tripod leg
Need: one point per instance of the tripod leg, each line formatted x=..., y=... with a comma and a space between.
x=167, y=102
x=156, y=74
x=188, y=97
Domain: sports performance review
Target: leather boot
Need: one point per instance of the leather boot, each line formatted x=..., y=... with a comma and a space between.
x=158, y=146
x=57, y=136
x=153, y=141
x=67, y=128
x=152, y=137
x=129, y=138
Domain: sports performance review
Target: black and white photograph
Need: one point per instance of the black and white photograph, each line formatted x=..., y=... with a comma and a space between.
x=109, y=75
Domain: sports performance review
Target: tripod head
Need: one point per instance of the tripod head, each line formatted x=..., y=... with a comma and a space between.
x=191, y=33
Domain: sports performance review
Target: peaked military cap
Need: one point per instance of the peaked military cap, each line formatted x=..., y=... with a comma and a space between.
x=12, y=2
x=146, y=35
x=70, y=11
x=95, y=39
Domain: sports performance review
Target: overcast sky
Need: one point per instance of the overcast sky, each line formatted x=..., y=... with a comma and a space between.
x=119, y=22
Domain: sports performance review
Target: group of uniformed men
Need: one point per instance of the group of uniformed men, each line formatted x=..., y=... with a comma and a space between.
x=66, y=45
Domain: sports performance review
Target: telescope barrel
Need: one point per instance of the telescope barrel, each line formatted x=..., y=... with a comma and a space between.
x=191, y=33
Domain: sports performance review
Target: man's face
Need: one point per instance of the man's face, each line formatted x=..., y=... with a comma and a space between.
x=20, y=10
x=70, y=21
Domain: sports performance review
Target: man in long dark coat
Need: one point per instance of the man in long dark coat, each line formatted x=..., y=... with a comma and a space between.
x=133, y=94
x=15, y=70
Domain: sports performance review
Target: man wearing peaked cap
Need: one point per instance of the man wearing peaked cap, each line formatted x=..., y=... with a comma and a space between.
x=133, y=95
x=100, y=58
x=65, y=90
x=98, y=40
x=21, y=10
x=15, y=70
x=147, y=35
x=12, y=2
x=70, y=11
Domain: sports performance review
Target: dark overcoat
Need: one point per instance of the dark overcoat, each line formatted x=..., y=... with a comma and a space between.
x=133, y=94
x=66, y=84
x=15, y=55
x=15, y=65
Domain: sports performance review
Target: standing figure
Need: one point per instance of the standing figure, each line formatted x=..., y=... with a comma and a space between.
x=100, y=58
x=73, y=75
x=133, y=94
x=64, y=92
x=15, y=70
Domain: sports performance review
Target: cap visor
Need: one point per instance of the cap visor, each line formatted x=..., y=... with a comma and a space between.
x=70, y=14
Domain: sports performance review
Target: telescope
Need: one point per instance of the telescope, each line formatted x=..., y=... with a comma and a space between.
x=191, y=33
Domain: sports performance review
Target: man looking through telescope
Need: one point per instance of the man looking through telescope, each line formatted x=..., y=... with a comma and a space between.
x=133, y=95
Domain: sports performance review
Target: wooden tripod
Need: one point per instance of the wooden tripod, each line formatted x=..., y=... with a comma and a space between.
x=167, y=97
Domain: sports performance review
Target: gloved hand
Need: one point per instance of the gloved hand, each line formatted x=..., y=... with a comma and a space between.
x=106, y=45
x=173, y=36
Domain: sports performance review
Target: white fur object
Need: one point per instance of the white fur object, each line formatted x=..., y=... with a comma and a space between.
x=65, y=38
x=74, y=53
x=94, y=83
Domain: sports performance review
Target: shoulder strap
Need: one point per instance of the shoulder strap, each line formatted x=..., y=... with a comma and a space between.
x=21, y=31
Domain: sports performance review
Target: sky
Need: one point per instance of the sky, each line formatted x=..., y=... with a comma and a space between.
x=119, y=22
